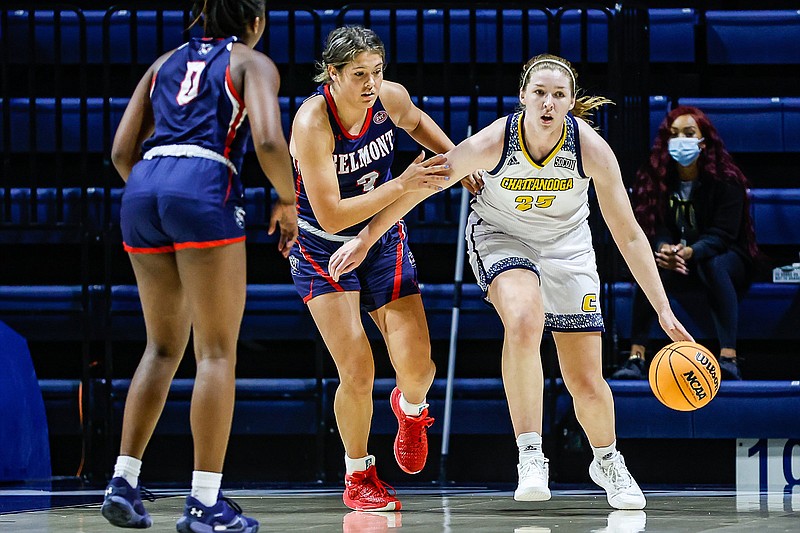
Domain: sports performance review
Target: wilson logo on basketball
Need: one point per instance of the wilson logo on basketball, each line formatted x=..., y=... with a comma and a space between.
x=380, y=117
x=703, y=359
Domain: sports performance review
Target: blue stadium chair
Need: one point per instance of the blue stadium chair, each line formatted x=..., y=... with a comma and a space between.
x=457, y=119
x=123, y=23
x=488, y=110
x=285, y=406
x=41, y=47
x=776, y=215
x=485, y=34
x=753, y=37
x=278, y=36
x=672, y=35
x=791, y=124
x=659, y=107
x=597, y=35
x=775, y=305
x=44, y=312
x=404, y=48
x=763, y=116
x=45, y=111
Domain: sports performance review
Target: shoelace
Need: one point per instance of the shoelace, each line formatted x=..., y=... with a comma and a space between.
x=363, y=481
x=618, y=473
x=537, y=464
x=145, y=494
x=415, y=425
x=233, y=505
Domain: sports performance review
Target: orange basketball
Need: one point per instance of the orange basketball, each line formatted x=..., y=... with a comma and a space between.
x=684, y=376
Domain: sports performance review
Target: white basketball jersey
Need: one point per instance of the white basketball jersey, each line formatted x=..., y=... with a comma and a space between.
x=537, y=201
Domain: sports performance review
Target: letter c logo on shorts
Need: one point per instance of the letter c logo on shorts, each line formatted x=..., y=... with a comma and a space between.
x=589, y=303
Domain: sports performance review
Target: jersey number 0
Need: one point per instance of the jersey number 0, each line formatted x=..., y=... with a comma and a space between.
x=191, y=82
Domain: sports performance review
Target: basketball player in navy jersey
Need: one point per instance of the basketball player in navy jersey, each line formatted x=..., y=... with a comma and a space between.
x=183, y=225
x=530, y=248
x=343, y=141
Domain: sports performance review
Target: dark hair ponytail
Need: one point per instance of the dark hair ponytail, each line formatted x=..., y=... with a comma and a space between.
x=224, y=18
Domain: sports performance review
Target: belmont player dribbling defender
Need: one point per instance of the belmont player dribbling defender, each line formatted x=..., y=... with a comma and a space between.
x=343, y=140
x=183, y=227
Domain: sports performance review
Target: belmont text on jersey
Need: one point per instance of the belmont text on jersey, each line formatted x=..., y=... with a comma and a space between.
x=381, y=147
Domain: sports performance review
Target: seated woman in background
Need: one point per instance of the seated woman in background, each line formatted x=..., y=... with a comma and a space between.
x=691, y=200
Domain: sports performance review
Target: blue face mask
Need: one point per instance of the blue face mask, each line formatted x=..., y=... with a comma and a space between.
x=684, y=150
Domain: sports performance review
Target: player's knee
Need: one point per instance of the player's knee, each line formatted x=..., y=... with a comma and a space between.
x=357, y=380
x=585, y=386
x=163, y=351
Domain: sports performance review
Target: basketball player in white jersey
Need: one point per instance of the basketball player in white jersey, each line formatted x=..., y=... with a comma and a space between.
x=531, y=250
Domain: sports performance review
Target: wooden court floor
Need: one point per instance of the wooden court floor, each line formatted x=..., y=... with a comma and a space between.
x=468, y=509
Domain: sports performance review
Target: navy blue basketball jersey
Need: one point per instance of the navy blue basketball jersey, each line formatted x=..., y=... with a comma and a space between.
x=195, y=102
x=363, y=161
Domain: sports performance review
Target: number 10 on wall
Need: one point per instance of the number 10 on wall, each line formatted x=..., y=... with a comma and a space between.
x=768, y=465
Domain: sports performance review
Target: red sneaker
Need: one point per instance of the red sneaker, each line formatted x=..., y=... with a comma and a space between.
x=411, y=443
x=363, y=491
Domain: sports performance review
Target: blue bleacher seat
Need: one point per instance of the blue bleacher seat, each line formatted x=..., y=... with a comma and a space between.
x=45, y=112
x=43, y=312
x=280, y=27
x=487, y=24
x=743, y=409
x=41, y=47
x=753, y=37
x=777, y=306
x=597, y=35
x=659, y=107
x=285, y=406
x=672, y=35
x=763, y=116
x=776, y=215
x=272, y=311
x=791, y=124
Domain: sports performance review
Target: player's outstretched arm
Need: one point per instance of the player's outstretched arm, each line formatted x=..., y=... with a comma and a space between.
x=482, y=150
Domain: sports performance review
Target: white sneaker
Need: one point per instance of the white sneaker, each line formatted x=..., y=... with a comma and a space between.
x=621, y=489
x=533, y=477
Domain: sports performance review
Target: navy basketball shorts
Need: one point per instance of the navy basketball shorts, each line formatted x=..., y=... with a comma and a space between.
x=387, y=273
x=173, y=203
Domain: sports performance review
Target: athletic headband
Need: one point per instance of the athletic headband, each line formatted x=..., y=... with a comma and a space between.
x=559, y=63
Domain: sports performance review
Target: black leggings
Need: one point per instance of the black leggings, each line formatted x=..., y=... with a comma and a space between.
x=723, y=278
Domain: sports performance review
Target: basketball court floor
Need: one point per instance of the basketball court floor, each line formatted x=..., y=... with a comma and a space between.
x=431, y=509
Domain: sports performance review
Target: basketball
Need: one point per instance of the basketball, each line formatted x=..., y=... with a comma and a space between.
x=684, y=376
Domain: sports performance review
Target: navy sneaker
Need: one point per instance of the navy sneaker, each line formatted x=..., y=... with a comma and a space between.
x=225, y=515
x=633, y=368
x=123, y=505
x=730, y=368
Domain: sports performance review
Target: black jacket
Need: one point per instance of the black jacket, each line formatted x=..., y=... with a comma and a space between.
x=712, y=221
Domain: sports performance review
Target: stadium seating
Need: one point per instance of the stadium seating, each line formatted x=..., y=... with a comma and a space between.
x=731, y=40
x=52, y=121
x=763, y=116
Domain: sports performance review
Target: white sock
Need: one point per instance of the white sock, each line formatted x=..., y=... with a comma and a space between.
x=605, y=454
x=128, y=468
x=529, y=445
x=205, y=486
x=358, y=465
x=412, y=409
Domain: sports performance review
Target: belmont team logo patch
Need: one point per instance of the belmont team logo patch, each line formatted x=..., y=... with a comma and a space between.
x=238, y=215
x=380, y=117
